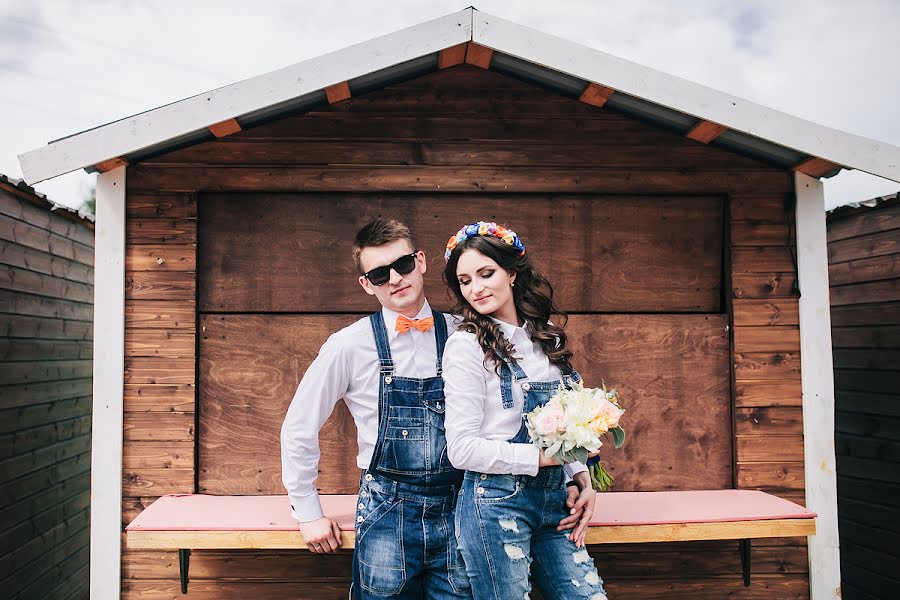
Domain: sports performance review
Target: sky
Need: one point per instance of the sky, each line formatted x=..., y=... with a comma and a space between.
x=67, y=66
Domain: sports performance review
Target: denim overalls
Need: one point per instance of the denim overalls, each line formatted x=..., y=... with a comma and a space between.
x=507, y=523
x=405, y=542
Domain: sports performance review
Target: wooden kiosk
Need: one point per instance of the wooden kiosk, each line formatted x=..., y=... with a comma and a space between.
x=684, y=230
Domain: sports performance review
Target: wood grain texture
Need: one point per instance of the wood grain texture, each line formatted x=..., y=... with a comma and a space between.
x=860, y=223
x=662, y=365
x=449, y=143
x=250, y=367
x=635, y=255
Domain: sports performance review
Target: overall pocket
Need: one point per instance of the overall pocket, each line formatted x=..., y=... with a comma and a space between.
x=379, y=545
x=496, y=488
x=404, y=444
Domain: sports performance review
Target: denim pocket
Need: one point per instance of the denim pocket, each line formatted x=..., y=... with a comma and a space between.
x=496, y=488
x=379, y=546
x=405, y=439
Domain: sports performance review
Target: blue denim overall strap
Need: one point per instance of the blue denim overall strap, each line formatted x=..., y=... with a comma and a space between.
x=411, y=447
x=406, y=544
x=536, y=393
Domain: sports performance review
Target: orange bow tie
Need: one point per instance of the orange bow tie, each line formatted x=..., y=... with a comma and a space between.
x=404, y=324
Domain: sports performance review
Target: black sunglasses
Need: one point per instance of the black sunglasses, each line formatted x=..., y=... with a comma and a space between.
x=403, y=265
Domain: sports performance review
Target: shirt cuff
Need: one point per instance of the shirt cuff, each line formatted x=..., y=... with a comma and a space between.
x=307, y=508
x=573, y=469
x=525, y=459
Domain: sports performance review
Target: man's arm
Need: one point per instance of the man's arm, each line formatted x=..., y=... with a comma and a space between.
x=324, y=383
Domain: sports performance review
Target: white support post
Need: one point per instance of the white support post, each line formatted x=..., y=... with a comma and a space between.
x=109, y=379
x=818, y=388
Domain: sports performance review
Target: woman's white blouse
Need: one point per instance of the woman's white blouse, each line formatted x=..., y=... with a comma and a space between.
x=478, y=426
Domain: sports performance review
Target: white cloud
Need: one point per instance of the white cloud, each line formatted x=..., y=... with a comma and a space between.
x=70, y=65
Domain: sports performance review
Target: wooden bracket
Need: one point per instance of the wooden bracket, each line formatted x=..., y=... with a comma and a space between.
x=112, y=163
x=596, y=94
x=452, y=56
x=337, y=92
x=225, y=128
x=478, y=55
x=816, y=167
x=706, y=131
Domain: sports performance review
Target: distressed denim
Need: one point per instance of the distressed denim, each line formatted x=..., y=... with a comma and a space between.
x=406, y=547
x=405, y=541
x=506, y=525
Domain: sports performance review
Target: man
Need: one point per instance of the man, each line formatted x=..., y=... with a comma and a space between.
x=387, y=367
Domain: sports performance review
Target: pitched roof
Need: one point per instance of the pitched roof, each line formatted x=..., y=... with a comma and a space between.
x=475, y=37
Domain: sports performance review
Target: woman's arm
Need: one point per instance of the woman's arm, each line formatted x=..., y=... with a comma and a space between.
x=465, y=387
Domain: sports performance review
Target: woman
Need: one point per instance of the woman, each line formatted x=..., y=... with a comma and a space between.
x=506, y=359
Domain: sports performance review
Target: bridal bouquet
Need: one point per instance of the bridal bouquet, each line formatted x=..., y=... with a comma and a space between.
x=569, y=427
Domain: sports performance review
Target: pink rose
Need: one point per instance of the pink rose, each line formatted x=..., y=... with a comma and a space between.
x=552, y=419
x=609, y=413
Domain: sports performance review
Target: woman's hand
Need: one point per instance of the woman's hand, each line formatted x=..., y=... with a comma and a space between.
x=581, y=508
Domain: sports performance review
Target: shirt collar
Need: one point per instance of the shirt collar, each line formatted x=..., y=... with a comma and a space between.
x=390, y=318
x=509, y=330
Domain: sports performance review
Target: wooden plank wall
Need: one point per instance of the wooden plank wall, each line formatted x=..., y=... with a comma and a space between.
x=864, y=274
x=46, y=297
x=468, y=138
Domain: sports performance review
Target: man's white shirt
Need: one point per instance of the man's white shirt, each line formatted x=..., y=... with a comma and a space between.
x=347, y=367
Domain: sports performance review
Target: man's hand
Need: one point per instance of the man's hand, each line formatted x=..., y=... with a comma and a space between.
x=571, y=520
x=580, y=503
x=544, y=461
x=322, y=536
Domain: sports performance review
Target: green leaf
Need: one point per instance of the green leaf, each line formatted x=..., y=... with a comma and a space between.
x=580, y=454
x=618, y=436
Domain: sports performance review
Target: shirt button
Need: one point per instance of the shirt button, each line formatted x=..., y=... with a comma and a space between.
x=361, y=506
x=368, y=477
x=480, y=490
x=359, y=519
x=363, y=494
x=483, y=476
x=405, y=433
x=526, y=386
x=388, y=379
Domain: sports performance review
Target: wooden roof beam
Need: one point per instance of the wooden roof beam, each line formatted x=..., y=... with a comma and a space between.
x=596, y=94
x=478, y=55
x=337, y=92
x=225, y=128
x=816, y=167
x=706, y=131
x=112, y=163
x=452, y=56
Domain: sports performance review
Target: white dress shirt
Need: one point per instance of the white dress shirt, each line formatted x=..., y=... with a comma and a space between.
x=478, y=426
x=347, y=367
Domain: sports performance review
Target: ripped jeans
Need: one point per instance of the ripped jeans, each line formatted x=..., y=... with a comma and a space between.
x=506, y=529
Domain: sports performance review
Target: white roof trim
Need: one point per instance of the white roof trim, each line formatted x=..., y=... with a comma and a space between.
x=192, y=114
x=871, y=156
x=159, y=125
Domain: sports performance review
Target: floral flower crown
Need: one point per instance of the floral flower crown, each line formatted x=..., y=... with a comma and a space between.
x=487, y=229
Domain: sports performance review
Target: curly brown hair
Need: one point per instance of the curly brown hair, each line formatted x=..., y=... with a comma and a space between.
x=533, y=297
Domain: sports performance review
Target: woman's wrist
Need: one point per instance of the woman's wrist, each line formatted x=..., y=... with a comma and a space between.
x=582, y=480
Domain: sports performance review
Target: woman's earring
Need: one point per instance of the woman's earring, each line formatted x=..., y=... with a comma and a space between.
x=512, y=284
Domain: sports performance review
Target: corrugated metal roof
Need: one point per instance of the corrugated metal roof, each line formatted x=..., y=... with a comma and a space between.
x=20, y=185
x=864, y=205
